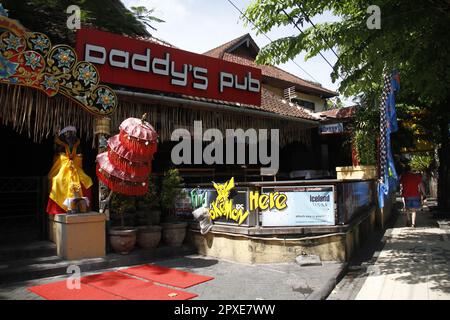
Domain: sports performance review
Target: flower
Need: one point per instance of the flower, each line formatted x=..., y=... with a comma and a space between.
x=87, y=74
x=40, y=43
x=7, y=68
x=50, y=83
x=105, y=99
x=33, y=60
x=13, y=42
x=64, y=57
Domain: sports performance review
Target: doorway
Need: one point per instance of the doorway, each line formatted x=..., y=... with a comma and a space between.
x=24, y=186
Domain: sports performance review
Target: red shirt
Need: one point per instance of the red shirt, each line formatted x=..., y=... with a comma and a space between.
x=410, y=184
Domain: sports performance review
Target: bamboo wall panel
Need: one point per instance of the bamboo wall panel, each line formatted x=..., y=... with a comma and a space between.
x=165, y=119
x=31, y=112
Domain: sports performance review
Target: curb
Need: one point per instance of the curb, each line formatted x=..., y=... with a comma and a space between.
x=329, y=285
x=32, y=272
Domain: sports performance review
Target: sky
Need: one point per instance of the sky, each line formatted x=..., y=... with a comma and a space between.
x=200, y=25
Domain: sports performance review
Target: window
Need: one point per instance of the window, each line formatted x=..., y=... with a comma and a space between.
x=305, y=104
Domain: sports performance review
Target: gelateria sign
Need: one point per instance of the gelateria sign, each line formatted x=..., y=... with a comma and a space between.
x=306, y=206
x=144, y=64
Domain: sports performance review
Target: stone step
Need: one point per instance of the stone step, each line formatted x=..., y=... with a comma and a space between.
x=27, y=251
x=43, y=267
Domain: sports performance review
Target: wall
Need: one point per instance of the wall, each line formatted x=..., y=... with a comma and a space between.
x=385, y=213
x=319, y=102
x=251, y=249
x=277, y=91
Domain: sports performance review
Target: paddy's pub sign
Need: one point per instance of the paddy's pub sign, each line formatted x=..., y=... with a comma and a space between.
x=144, y=64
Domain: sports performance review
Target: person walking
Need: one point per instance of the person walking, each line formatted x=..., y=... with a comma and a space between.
x=413, y=193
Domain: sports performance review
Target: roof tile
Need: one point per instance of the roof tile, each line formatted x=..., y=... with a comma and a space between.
x=221, y=52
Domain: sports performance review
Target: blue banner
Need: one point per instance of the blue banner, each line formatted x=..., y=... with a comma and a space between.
x=388, y=182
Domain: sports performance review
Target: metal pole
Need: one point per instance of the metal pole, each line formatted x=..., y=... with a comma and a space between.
x=102, y=132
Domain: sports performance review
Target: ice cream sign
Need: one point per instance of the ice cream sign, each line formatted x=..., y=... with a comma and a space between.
x=145, y=64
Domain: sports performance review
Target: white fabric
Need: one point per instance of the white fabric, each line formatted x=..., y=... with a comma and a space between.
x=68, y=128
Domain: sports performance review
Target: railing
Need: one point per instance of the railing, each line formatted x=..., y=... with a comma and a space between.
x=353, y=198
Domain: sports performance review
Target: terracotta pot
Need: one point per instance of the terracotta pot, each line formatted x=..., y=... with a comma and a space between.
x=122, y=239
x=174, y=233
x=149, y=237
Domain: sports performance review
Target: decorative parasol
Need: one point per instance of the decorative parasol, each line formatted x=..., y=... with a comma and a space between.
x=118, y=180
x=138, y=136
x=126, y=160
x=125, y=167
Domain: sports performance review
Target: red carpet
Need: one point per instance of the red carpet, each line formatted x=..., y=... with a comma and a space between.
x=172, y=277
x=58, y=291
x=134, y=289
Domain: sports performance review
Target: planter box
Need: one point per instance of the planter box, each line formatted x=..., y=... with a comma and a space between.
x=356, y=173
x=80, y=236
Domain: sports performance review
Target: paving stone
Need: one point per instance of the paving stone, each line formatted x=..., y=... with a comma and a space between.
x=308, y=260
x=233, y=281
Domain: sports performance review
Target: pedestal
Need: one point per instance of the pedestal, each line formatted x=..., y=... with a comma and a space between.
x=80, y=236
x=51, y=228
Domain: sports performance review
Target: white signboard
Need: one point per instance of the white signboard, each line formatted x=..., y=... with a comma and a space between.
x=306, y=206
x=332, y=128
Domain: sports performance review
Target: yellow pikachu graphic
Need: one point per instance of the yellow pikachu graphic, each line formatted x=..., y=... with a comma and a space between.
x=223, y=190
x=223, y=206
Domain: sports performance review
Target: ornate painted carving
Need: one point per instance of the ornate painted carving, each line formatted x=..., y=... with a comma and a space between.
x=29, y=59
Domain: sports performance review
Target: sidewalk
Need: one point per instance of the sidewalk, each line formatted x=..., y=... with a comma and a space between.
x=414, y=263
x=233, y=281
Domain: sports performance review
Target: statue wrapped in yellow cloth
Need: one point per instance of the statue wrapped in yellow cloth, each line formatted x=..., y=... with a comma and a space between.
x=70, y=185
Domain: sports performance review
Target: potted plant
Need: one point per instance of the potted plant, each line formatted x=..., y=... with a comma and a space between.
x=149, y=232
x=174, y=231
x=363, y=140
x=123, y=238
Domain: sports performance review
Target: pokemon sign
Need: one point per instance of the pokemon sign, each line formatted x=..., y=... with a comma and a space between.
x=223, y=206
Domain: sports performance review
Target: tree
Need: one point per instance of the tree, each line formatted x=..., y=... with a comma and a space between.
x=334, y=103
x=146, y=16
x=49, y=17
x=413, y=38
